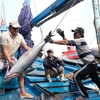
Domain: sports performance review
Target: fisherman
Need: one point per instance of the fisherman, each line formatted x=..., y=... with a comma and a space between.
x=53, y=66
x=90, y=65
x=10, y=42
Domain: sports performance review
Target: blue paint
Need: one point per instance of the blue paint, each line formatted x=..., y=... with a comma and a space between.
x=14, y=94
x=70, y=68
x=13, y=84
x=3, y=28
x=54, y=7
x=58, y=90
x=37, y=79
x=54, y=84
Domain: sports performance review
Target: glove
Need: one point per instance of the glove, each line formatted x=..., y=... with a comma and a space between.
x=60, y=32
x=48, y=38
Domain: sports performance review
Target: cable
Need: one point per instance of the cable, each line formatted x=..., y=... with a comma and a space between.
x=92, y=40
x=63, y=16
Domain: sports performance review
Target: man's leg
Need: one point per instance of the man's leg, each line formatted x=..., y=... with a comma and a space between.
x=23, y=93
x=61, y=73
x=94, y=75
x=47, y=74
x=78, y=76
x=21, y=83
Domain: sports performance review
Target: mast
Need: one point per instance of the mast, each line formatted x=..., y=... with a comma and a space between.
x=2, y=17
x=0, y=11
x=96, y=10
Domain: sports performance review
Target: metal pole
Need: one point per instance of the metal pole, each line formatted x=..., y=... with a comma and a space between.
x=4, y=16
x=97, y=20
x=0, y=11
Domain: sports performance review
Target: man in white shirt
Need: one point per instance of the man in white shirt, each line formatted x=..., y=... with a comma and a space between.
x=10, y=42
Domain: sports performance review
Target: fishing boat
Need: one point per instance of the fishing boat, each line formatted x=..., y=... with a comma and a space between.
x=35, y=81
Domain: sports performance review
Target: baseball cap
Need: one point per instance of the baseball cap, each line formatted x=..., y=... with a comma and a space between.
x=79, y=30
x=14, y=24
x=49, y=50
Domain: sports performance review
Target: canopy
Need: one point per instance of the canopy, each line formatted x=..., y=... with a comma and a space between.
x=24, y=19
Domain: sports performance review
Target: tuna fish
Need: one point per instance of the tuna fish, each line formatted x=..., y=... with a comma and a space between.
x=24, y=62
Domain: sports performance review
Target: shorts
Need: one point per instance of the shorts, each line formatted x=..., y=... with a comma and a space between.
x=54, y=73
x=4, y=63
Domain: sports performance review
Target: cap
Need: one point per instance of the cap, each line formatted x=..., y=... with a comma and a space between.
x=14, y=24
x=49, y=50
x=79, y=30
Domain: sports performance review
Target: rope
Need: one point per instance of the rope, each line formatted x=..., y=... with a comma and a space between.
x=64, y=16
x=92, y=40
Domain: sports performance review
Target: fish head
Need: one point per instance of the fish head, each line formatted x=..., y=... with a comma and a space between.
x=10, y=75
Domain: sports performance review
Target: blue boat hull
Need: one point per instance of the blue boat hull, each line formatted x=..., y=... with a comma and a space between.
x=37, y=85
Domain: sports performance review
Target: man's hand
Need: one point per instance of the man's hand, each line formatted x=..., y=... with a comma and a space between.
x=60, y=32
x=11, y=64
x=48, y=38
x=26, y=47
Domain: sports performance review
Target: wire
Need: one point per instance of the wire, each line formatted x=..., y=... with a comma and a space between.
x=92, y=40
x=64, y=16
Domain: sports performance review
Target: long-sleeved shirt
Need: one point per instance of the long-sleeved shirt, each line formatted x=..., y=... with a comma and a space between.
x=48, y=63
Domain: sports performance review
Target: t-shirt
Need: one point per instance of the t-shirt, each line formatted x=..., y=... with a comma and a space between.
x=13, y=43
x=83, y=50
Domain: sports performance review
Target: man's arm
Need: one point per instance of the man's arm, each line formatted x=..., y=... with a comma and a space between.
x=6, y=53
x=64, y=38
x=61, y=33
x=60, y=62
x=46, y=65
x=23, y=43
x=5, y=48
x=61, y=42
x=26, y=47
